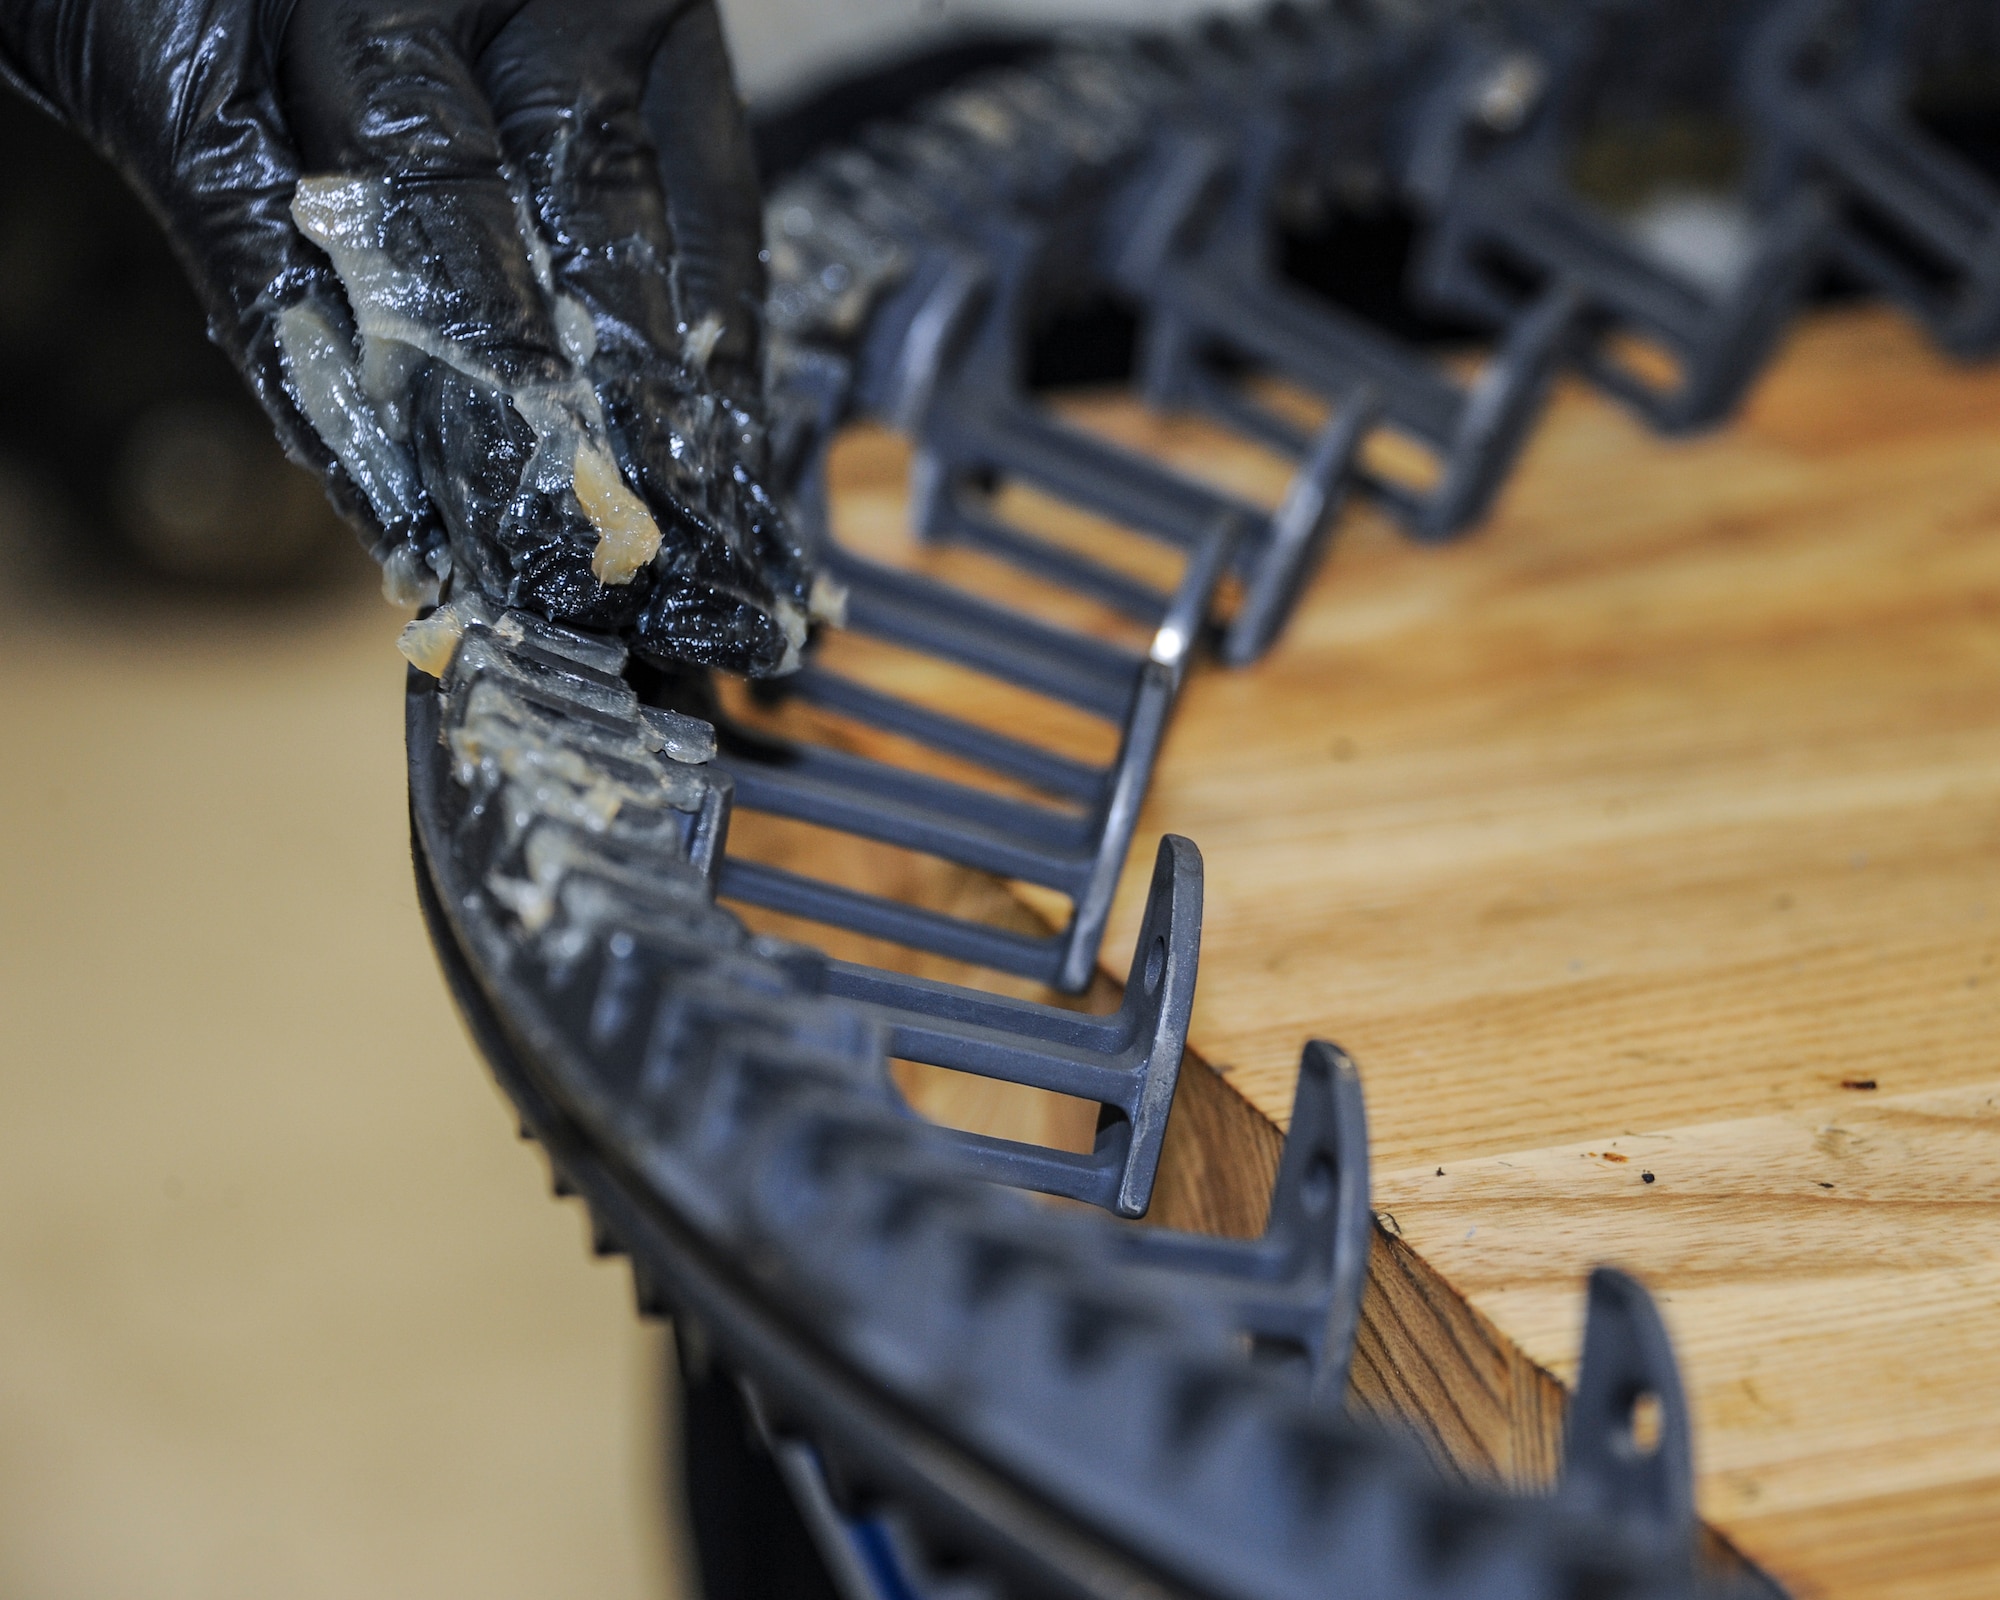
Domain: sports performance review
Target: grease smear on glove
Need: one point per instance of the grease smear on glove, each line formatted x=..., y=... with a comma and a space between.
x=359, y=407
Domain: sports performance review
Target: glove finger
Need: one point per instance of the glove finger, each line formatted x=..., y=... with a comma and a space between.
x=709, y=172
x=414, y=207
x=467, y=342
x=407, y=198
x=474, y=449
x=565, y=81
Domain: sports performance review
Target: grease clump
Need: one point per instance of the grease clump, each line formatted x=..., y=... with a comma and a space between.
x=627, y=536
x=429, y=643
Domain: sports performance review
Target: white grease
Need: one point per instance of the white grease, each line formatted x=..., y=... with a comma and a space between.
x=429, y=643
x=345, y=217
x=700, y=341
x=408, y=579
x=627, y=536
x=329, y=391
x=827, y=601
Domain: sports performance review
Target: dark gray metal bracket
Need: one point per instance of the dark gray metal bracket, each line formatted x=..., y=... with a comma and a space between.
x=1918, y=221
x=1127, y=1062
x=1293, y=1295
x=961, y=399
x=1720, y=341
x=1194, y=247
x=1077, y=846
x=1507, y=226
x=1628, y=1451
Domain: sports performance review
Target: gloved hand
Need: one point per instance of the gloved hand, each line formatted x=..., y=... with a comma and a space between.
x=435, y=237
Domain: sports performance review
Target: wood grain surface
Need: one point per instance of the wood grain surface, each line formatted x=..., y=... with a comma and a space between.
x=1644, y=849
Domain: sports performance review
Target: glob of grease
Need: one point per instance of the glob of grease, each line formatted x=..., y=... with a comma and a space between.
x=541, y=731
x=531, y=480
x=430, y=642
x=627, y=536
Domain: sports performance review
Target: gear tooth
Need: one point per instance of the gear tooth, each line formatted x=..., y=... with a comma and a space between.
x=527, y=1133
x=647, y=1294
x=564, y=1189
x=603, y=1242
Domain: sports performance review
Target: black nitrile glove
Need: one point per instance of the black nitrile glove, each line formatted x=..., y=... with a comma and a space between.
x=434, y=236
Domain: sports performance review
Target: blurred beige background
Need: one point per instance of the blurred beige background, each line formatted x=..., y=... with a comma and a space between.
x=286, y=1310
x=782, y=46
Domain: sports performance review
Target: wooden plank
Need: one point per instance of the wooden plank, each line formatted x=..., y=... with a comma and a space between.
x=1638, y=824
x=1828, y=1277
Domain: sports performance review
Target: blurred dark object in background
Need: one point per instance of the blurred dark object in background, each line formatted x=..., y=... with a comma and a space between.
x=750, y=1541
x=790, y=131
x=1356, y=256
x=146, y=458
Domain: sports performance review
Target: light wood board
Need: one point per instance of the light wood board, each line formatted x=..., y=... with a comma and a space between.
x=1654, y=830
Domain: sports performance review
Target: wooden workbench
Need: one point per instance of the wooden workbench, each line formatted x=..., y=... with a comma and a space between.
x=1644, y=849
